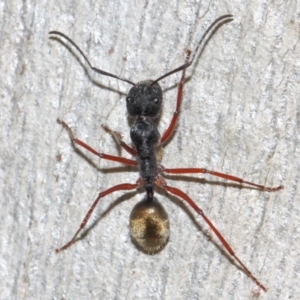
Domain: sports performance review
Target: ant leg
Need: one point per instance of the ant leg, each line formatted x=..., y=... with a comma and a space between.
x=124, y=186
x=222, y=175
x=119, y=138
x=171, y=127
x=186, y=198
x=101, y=155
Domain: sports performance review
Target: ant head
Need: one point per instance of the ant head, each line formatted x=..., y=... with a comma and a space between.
x=144, y=98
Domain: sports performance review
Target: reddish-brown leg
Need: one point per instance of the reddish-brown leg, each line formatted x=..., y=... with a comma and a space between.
x=222, y=175
x=118, y=137
x=172, y=125
x=101, y=155
x=186, y=198
x=119, y=187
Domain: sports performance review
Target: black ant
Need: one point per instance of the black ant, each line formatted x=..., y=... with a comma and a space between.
x=149, y=223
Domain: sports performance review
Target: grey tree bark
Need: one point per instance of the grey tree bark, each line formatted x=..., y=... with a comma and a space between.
x=240, y=115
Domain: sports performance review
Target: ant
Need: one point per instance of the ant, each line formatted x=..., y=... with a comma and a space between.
x=149, y=223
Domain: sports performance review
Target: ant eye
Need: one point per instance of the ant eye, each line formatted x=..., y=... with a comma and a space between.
x=156, y=100
x=129, y=99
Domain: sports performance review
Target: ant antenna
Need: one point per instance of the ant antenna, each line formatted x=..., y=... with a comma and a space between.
x=218, y=21
x=86, y=59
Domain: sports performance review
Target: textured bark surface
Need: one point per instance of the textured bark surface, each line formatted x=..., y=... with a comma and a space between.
x=240, y=115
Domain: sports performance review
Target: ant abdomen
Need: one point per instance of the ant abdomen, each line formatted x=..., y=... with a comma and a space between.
x=149, y=225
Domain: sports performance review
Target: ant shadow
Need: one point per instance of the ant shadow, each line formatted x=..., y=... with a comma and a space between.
x=160, y=191
x=86, y=68
x=174, y=199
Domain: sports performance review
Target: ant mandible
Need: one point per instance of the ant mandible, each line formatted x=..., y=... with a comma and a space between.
x=149, y=223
